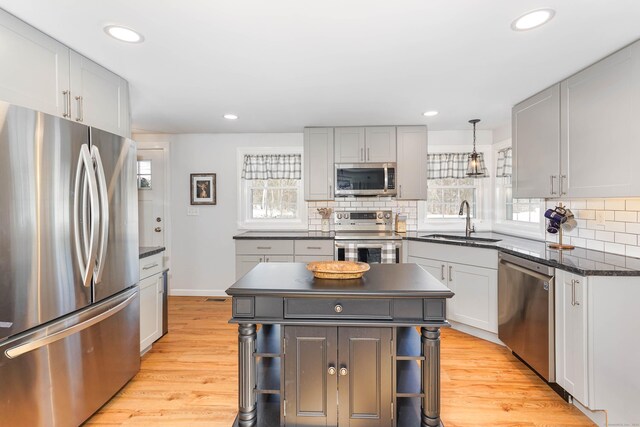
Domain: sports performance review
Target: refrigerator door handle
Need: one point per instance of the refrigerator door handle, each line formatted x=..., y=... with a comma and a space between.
x=21, y=349
x=104, y=214
x=89, y=251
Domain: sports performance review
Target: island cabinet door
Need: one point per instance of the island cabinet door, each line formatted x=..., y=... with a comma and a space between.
x=310, y=385
x=364, y=377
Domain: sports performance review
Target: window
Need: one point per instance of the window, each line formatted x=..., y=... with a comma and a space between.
x=522, y=210
x=445, y=196
x=273, y=198
x=144, y=174
x=271, y=189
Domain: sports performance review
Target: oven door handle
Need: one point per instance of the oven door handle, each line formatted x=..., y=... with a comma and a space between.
x=366, y=246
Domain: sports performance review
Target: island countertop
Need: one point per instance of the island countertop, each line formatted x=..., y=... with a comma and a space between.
x=382, y=280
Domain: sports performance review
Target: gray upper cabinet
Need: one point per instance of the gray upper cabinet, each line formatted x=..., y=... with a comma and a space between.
x=99, y=96
x=318, y=164
x=349, y=145
x=320, y=361
x=380, y=144
x=411, y=173
x=600, y=139
x=579, y=138
x=536, y=145
x=376, y=144
x=41, y=73
x=35, y=67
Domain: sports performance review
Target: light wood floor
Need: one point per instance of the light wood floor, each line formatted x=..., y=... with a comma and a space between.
x=189, y=379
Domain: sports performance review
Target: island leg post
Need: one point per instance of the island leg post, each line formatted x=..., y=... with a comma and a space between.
x=246, y=375
x=431, y=377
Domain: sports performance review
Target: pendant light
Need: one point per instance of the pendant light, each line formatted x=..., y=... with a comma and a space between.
x=473, y=167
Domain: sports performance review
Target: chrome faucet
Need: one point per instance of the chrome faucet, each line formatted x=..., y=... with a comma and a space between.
x=469, y=228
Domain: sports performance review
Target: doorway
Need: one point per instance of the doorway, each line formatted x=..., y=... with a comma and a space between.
x=151, y=197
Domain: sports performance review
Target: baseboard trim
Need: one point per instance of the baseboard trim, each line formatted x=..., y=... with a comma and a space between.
x=197, y=293
x=478, y=333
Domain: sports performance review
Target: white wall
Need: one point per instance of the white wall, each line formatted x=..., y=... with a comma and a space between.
x=202, y=250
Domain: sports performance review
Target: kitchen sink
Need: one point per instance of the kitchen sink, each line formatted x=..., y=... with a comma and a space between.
x=463, y=239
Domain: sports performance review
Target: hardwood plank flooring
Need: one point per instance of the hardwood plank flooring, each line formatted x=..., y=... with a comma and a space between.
x=189, y=378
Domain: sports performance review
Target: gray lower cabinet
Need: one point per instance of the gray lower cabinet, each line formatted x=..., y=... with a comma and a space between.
x=348, y=365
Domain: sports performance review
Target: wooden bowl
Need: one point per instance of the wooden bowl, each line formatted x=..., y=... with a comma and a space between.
x=338, y=269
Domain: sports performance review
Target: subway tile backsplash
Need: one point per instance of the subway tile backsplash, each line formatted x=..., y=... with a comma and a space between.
x=410, y=208
x=620, y=232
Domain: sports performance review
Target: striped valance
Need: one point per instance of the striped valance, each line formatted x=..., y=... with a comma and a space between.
x=504, y=164
x=452, y=165
x=272, y=166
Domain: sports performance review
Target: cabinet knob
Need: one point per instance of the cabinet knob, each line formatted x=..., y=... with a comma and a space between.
x=338, y=308
x=343, y=371
x=331, y=370
x=157, y=229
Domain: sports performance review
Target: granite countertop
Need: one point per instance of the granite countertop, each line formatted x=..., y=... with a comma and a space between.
x=386, y=280
x=285, y=235
x=585, y=262
x=146, y=251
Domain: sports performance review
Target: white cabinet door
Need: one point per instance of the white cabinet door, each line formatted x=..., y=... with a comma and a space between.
x=380, y=144
x=150, y=311
x=438, y=269
x=318, y=164
x=411, y=175
x=349, y=145
x=475, y=302
x=536, y=145
x=35, y=67
x=600, y=134
x=571, y=335
x=98, y=96
x=245, y=263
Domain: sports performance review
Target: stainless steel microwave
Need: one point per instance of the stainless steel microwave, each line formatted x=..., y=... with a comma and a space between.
x=365, y=179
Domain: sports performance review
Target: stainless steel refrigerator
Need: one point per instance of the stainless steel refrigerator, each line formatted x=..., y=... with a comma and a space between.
x=69, y=306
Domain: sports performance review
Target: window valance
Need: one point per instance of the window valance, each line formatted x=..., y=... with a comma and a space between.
x=452, y=165
x=504, y=164
x=272, y=166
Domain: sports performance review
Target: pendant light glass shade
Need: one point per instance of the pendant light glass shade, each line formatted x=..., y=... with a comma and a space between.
x=474, y=168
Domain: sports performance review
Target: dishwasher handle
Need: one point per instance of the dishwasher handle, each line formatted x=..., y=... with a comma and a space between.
x=524, y=270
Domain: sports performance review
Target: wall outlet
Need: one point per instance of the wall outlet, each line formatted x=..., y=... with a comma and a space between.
x=600, y=219
x=193, y=211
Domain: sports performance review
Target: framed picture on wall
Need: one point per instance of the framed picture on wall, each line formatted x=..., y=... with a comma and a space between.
x=203, y=188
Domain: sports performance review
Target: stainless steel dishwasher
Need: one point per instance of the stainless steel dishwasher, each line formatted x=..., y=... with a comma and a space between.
x=526, y=321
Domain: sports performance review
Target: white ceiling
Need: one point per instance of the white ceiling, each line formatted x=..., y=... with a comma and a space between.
x=285, y=64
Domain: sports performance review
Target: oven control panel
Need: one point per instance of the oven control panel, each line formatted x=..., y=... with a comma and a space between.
x=363, y=220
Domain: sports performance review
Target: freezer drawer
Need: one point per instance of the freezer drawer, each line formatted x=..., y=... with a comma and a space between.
x=60, y=374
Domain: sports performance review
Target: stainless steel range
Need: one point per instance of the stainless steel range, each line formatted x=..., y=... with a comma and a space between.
x=366, y=236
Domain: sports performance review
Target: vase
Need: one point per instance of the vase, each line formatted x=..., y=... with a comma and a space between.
x=325, y=225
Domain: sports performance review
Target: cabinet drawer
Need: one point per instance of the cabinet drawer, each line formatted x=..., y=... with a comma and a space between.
x=337, y=308
x=314, y=247
x=266, y=247
x=312, y=258
x=150, y=265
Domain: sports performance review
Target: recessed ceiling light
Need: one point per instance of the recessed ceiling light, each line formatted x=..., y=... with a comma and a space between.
x=430, y=113
x=230, y=117
x=533, y=19
x=123, y=34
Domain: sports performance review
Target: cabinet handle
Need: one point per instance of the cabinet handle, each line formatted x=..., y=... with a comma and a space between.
x=450, y=273
x=552, y=177
x=67, y=103
x=343, y=371
x=442, y=271
x=314, y=247
x=264, y=247
x=331, y=370
x=150, y=266
x=266, y=259
x=80, y=117
x=362, y=154
x=338, y=308
x=368, y=153
x=574, y=300
x=330, y=190
x=562, y=178
x=400, y=191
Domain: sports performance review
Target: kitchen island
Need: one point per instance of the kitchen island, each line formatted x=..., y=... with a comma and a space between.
x=345, y=352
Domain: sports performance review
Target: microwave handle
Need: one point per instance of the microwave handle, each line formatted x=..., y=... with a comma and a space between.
x=386, y=178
